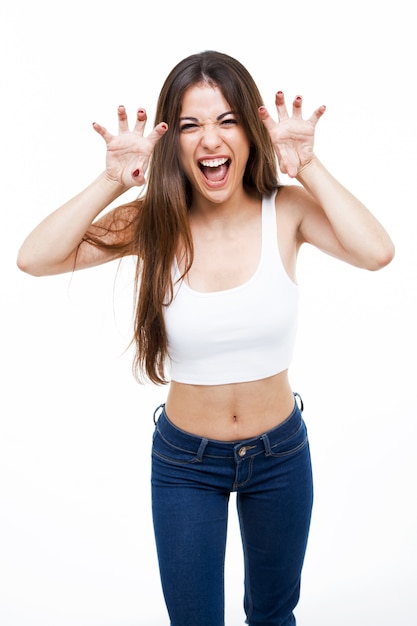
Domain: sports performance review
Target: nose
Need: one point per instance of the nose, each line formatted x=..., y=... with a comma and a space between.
x=211, y=138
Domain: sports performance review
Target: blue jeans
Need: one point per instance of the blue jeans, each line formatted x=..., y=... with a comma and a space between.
x=192, y=478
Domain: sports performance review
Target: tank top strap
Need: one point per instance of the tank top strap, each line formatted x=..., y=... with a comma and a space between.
x=269, y=225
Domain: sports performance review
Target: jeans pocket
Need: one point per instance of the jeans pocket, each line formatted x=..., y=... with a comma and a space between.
x=292, y=444
x=169, y=452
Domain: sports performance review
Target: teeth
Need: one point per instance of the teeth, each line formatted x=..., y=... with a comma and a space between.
x=213, y=162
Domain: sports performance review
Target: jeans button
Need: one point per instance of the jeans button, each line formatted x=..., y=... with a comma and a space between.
x=242, y=451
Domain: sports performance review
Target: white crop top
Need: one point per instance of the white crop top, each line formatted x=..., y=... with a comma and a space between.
x=240, y=334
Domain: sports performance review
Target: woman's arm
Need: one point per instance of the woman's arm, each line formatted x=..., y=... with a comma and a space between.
x=339, y=224
x=329, y=216
x=54, y=246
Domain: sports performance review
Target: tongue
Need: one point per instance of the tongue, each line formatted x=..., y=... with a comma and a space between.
x=215, y=173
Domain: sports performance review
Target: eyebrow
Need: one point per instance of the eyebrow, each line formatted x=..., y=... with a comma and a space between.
x=218, y=118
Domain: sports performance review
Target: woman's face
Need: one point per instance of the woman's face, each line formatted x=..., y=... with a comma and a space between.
x=214, y=147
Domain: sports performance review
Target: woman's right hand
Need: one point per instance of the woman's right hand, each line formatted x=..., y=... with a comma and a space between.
x=129, y=152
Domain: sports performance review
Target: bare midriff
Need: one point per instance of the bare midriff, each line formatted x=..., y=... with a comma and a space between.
x=230, y=412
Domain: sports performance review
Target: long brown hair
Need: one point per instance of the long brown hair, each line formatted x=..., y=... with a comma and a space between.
x=160, y=220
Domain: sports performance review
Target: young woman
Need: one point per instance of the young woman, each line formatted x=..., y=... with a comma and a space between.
x=217, y=237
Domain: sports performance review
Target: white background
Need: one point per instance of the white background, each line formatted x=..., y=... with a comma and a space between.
x=76, y=539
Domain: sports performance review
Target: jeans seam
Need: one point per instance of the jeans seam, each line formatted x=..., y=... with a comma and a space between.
x=236, y=484
x=248, y=592
x=292, y=451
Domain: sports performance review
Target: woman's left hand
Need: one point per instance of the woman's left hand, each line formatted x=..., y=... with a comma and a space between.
x=292, y=137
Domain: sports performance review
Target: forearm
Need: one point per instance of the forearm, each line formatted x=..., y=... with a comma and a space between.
x=57, y=237
x=357, y=230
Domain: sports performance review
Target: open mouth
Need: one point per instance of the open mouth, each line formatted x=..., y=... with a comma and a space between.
x=214, y=170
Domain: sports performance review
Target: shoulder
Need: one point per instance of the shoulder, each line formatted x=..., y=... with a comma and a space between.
x=294, y=196
x=292, y=202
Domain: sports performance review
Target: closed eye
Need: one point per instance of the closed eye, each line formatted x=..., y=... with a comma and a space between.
x=229, y=122
x=188, y=126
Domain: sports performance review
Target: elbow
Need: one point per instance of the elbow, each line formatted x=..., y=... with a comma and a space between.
x=27, y=269
x=383, y=257
x=28, y=266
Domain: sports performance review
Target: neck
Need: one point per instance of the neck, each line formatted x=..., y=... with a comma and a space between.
x=212, y=214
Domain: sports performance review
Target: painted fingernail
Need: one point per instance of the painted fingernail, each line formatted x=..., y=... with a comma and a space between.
x=164, y=126
x=135, y=174
x=261, y=109
x=298, y=98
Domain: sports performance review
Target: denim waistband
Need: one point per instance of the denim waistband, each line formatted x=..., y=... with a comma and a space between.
x=239, y=449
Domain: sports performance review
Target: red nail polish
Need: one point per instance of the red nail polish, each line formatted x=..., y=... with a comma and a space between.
x=135, y=173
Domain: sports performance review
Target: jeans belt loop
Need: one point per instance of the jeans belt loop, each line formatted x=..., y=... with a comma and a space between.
x=300, y=401
x=161, y=406
x=201, y=449
x=267, y=444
